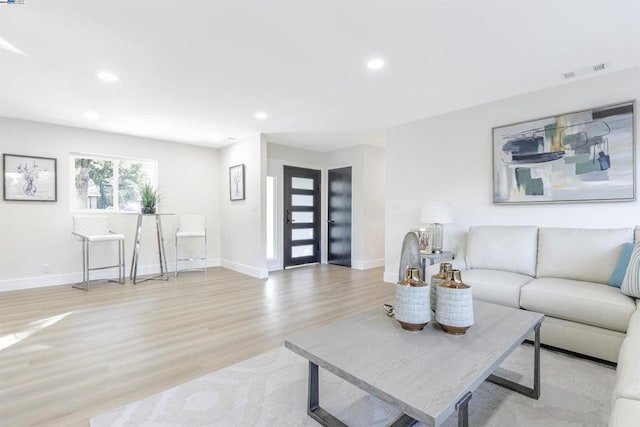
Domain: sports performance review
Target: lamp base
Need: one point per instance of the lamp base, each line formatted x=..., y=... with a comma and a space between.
x=437, y=239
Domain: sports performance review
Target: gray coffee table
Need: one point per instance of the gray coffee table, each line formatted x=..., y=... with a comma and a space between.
x=428, y=374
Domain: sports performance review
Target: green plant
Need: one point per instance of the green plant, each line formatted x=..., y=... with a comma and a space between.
x=149, y=196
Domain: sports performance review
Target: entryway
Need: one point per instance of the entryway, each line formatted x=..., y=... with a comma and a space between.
x=301, y=216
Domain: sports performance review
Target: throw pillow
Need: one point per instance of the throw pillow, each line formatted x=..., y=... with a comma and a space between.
x=631, y=283
x=618, y=274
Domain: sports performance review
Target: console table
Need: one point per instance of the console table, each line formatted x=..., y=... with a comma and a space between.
x=431, y=259
x=164, y=272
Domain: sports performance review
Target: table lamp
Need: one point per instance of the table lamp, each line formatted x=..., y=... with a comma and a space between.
x=436, y=213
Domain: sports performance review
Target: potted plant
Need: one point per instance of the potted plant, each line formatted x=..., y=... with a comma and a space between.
x=148, y=198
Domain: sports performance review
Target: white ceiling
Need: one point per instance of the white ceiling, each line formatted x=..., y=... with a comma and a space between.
x=197, y=71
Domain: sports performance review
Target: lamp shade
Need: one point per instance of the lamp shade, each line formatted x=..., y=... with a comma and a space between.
x=436, y=213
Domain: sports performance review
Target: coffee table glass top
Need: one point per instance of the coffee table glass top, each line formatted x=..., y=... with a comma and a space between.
x=421, y=373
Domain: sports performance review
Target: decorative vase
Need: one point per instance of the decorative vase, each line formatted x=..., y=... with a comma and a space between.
x=410, y=255
x=413, y=309
x=436, y=279
x=455, y=305
x=149, y=210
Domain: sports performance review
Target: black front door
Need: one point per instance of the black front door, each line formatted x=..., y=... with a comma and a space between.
x=302, y=216
x=339, y=217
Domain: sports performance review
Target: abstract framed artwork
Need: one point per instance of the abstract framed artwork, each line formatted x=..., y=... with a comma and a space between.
x=29, y=178
x=425, y=239
x=582, y=156
x=236, y=182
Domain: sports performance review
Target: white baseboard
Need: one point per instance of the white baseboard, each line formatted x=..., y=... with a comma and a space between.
x=259, y=273
x=69, y=278
x=390, y=277
x=366, y=265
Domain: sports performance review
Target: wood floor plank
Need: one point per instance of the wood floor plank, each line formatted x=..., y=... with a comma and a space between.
x=69, y=354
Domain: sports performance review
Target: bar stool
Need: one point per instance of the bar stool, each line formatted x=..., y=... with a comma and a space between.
x=95, y=228
x=190, y=227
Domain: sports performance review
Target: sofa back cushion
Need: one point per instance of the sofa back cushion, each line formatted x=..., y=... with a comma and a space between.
x=637, y=234
x=507, y=248
x=584, y=254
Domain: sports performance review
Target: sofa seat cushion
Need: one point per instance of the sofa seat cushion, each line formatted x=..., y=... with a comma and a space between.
x=589, y=303
x=495, y=286
x=625, y=413
x=628, y=372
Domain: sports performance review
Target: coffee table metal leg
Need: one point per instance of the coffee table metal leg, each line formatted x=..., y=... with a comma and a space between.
x=403, y=420
x=534, y=392
x=313, y=399
x=463, y=410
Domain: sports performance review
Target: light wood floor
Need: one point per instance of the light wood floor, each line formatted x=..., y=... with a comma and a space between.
x=67, y=355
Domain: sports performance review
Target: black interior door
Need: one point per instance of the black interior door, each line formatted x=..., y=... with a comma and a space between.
x=302, y=216
x=339, y=217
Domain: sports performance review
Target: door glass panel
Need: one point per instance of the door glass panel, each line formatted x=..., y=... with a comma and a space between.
x=302, y=233
x=303, y=217
x=302, y=183
x=300, y=251
x=301, y=200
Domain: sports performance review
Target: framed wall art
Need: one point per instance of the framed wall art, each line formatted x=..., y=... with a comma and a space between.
x=583, y=156
x=29, y=178
x=425, y=239
x=236, y=182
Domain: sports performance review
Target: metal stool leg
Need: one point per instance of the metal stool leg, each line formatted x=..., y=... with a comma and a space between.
x=175, y=272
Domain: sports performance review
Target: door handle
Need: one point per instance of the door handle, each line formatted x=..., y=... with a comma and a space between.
x=289, y=220
x=330, y=221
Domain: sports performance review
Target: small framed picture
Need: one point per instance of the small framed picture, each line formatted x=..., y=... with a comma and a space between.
x=425, y=239
x=236, y=182
x=29, y=178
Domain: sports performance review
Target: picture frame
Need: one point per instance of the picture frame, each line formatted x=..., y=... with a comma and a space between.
x=29, y=178
x=425, y=239
x=576, y=157
x=236, y=182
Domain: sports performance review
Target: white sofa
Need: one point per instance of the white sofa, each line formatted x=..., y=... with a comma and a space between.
x=625, y=405
x=563, y=273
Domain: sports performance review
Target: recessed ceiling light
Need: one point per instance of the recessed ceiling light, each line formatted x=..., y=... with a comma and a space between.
x=261, y=115
x=108, y=77
x=91, y=115
x=375, y=64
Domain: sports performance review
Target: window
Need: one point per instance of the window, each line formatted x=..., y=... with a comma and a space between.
x=109, y=183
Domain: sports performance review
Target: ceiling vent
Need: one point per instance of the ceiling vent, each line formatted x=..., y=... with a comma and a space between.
x=584, y=71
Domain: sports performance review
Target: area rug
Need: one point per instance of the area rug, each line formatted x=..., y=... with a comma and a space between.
x=271, y=390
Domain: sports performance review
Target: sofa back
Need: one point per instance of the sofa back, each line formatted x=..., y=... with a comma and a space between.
x=584, y=254
x=507, y=248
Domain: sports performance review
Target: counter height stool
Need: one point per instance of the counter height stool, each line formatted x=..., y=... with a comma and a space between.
x=95, y=228
x=191, y=227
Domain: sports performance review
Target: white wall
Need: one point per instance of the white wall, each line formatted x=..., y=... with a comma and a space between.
x=243, y=246
x=36, y=233
x=449, y=157
x=373, y=220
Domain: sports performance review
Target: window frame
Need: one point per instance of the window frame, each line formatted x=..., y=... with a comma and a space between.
x=73, y=156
